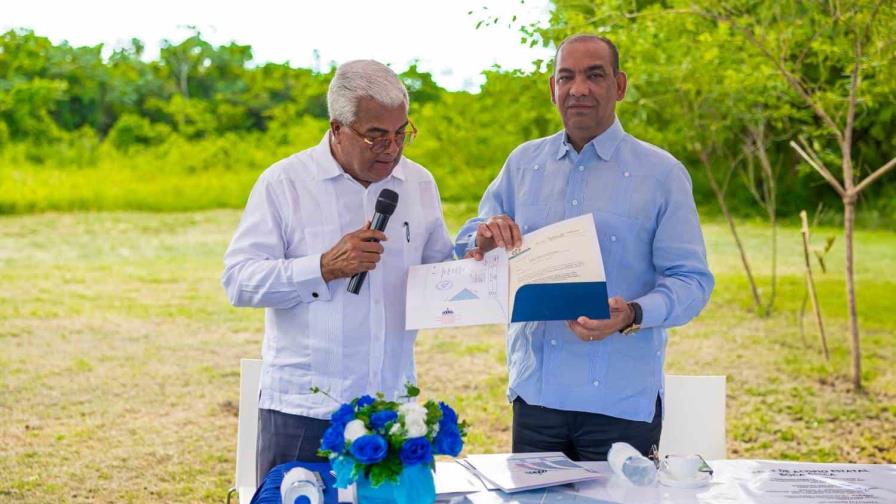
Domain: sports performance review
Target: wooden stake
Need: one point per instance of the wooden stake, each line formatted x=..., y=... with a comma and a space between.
x=810, y=285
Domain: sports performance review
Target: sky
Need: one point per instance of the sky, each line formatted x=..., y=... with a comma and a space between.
x=439, y=34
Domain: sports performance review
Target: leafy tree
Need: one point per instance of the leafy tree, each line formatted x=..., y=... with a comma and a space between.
x=837, y=58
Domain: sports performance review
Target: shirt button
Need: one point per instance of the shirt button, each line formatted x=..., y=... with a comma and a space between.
x=575, y=202
x=658, y=354
x=315, y=295
x=613, y=238
x=595, y=382
x=626, y=174
x=526, y=227
x=581, y=168
x=536, y=167
x=554, y=342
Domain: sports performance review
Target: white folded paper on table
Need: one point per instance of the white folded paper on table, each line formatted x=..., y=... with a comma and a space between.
x=527, y=471
x=452, y=478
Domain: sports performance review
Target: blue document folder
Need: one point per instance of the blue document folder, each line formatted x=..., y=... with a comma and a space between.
x=561, y=301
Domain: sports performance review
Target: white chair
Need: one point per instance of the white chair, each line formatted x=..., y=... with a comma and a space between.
x=247, y=431
x=694, y=417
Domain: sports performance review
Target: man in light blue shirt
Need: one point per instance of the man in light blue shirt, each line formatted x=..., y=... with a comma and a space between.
x=304, y=233
x=578, y=386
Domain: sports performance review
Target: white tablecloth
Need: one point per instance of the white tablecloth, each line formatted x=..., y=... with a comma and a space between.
x=733, y=481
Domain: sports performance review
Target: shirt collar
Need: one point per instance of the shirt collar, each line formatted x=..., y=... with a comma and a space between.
x=327, y=167
x=604, y=144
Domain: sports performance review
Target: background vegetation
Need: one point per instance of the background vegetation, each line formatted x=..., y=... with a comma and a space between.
x=192, y=129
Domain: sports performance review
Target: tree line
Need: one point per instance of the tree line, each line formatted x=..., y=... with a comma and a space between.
x=694, y=89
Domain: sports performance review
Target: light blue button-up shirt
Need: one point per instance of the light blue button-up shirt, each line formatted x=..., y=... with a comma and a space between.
x=316, y=333
x=653, y=252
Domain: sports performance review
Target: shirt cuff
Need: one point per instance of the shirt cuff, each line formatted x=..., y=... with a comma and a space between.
x=309, y=280
x=471, y=242
x=464, y=243
x=653, y=309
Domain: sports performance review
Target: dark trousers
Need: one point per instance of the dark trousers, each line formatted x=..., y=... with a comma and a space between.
x=283, y=438
x=581, y=436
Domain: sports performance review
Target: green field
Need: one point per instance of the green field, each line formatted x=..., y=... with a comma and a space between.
x=119, y=357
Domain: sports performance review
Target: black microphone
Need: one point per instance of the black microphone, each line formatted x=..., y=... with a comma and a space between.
x=385, y=206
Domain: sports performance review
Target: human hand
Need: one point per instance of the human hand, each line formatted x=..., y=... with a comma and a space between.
x=355, y=252
x=586, y=329
x=498, y=231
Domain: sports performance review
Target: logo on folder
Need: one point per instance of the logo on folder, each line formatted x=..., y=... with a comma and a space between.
x=447, y=316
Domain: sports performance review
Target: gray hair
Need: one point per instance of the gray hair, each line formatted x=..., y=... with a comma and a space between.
x=363, y=78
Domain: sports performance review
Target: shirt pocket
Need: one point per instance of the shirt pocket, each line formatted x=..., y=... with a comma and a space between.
x=412, y=234
x=531, y=217
x=619, y=239
x=319, y=239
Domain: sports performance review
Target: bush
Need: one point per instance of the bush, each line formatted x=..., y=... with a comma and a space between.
x=132, y=129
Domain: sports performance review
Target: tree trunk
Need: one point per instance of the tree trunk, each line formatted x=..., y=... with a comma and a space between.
x=740, y=247
x=774, y=287
x=849, y=217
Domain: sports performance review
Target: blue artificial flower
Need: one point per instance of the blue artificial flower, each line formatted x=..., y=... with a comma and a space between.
x=365, y=400
x=369, y=449
x=344, y=415
x=449, y=417
x=344, y=468
x=379, y=419
x=415, y=451
x=333, y=439
x=448, y=441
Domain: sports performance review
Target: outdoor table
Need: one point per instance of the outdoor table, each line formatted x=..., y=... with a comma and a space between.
x=734, y=481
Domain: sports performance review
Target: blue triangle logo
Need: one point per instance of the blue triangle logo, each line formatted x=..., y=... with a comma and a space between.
x=464, y=295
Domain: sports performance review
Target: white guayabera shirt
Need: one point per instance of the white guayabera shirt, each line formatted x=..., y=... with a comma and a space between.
x=316, y=333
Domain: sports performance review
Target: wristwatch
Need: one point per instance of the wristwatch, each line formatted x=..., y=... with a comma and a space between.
x=635, y=326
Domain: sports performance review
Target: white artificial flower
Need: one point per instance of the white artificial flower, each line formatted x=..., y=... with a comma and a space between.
x=354, y=430
x=414, y=419
x=410, y=408
x=416, y=427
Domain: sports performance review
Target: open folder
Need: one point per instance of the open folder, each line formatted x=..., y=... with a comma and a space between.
x=557, y=274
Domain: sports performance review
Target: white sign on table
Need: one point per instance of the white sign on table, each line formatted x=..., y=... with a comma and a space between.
x=791, y=483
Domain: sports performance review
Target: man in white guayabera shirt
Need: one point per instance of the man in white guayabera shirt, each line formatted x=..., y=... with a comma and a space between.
x=304, y=233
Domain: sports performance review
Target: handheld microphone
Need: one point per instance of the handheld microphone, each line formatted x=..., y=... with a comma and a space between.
x=385, y=206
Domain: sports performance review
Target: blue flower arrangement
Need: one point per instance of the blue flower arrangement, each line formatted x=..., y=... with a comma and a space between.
x=377, y=439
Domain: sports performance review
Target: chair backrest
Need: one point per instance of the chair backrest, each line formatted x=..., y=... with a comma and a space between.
x=247, y=427
x=694, y=416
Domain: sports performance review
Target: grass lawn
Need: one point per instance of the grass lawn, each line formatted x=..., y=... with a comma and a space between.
x=119, y=375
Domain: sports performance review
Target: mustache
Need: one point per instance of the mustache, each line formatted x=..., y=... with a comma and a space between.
x=578, y=102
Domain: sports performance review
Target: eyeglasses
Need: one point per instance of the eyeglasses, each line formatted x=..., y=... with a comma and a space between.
x=381, y=143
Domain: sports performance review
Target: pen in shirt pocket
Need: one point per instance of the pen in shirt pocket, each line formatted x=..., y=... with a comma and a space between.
x=407, y=231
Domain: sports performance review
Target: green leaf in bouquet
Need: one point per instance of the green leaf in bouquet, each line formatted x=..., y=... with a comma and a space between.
x=462, y=428
x=411, y=390
x=433, y=415
x=386, y=470
x=396, y=439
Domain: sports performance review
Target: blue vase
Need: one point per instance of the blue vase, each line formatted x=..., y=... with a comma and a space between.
x=415, y=485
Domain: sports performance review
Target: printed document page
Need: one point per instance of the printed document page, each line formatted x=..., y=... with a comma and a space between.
x=567, y=251
x=458, y=293
x=783, y=483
